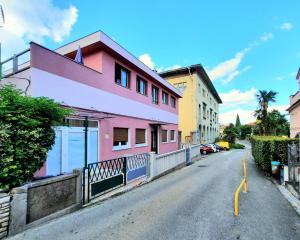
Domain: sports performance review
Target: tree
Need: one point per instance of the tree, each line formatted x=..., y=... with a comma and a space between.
x=278, y=124
x=237, y=121
x=230, y=133
x=264, y=98
x=26, y=134
x=245, y=130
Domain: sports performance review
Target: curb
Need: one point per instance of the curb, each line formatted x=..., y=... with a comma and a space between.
x=295, y=203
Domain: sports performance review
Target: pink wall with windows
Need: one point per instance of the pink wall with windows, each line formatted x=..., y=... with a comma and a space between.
x=106, y=137
x=108, y=70
x=103, y=79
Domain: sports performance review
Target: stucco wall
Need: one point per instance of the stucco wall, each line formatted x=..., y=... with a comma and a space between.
x=187, y=114
x=190, y=117
x=295, y=120
x=106, y=137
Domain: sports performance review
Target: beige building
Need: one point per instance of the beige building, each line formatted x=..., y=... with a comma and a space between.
x=199, y=106
x=294, y=110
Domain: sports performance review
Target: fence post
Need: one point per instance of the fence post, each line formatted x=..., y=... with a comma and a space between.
x=79, y=190
x=152, y=165
x=125, y=170
x=18, y=211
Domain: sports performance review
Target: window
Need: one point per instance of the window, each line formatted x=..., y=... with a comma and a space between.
x=122, y=76
x=164, y=136
x=154, y=95
x=204, y=110
x=120, y=138
x=203, y=92
x=165, y=98
x=172, y=136
x=141, y=86
x=140, y=136
x=173, y=102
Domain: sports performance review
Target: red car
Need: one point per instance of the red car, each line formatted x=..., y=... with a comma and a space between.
x=204, y=149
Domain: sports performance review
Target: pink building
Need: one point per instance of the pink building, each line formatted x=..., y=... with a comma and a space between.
x=130, y=108
x=294, y=110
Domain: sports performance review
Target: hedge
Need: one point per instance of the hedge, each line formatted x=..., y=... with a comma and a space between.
x=236, y=146
x=270, y=148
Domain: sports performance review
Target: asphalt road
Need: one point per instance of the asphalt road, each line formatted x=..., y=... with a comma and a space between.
x=195, y=202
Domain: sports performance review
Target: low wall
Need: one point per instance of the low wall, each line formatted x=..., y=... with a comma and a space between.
x=43, y=200
x=4, y=214
x=168, y=161
x=195, y=150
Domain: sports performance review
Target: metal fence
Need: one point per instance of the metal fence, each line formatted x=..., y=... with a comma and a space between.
x=101, y=177
x=294, y=165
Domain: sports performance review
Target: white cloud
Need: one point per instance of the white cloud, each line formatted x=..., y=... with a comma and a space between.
x=266, y=36
x=229, y=69
x=280, y=78
x=246, y=116
x=34, y=20
x=236, y=98
x=226, y=68
x=236, y=73
x=281, y=108
x=286, y=26
x=147, y=60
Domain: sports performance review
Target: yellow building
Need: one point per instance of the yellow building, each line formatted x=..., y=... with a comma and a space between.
x=199, y=106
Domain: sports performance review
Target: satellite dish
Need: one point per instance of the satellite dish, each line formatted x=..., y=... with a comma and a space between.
x=2, y=19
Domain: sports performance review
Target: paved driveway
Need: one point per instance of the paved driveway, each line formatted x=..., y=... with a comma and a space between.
x=195, y=202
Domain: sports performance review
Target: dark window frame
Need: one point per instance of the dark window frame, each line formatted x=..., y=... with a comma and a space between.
x=166, y=95
x=138, y=80
x=118, y=75
x=155, y=100
x=173, y=101
x=162, y=136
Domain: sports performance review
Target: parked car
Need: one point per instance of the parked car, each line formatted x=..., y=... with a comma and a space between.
x=224, y=145
x=204, y=149
x=214, y=147
x=219, y=148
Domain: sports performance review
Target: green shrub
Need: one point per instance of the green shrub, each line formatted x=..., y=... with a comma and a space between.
x=270, y=148
x=236, y=146
x=26, y=134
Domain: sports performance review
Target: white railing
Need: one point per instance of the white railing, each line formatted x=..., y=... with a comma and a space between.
x=167, y=161
x=195, y=150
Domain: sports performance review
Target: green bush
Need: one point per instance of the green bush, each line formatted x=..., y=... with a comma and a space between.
x=236, y=146
x=26, y=134
x=270, y=148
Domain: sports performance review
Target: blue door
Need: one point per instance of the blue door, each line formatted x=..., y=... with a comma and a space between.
x=68, y=152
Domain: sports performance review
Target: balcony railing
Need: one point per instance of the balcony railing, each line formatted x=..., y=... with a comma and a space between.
x=16, y=63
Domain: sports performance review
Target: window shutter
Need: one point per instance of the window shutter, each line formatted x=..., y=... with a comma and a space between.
x=172, y=135
x=120, y=134
x=164, y=136
x=140, y=136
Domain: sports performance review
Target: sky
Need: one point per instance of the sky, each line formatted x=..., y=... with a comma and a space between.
x=245, y=46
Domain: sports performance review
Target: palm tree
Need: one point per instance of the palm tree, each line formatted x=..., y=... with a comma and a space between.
x=264, y=98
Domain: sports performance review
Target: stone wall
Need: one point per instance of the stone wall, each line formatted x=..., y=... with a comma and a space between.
x=44, y=200
x=4, y=214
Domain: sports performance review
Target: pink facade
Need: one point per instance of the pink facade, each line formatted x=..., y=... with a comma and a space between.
x=294, y=111
x=92, y=90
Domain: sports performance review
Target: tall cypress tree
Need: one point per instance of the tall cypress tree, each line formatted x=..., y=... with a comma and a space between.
x=237, y=121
